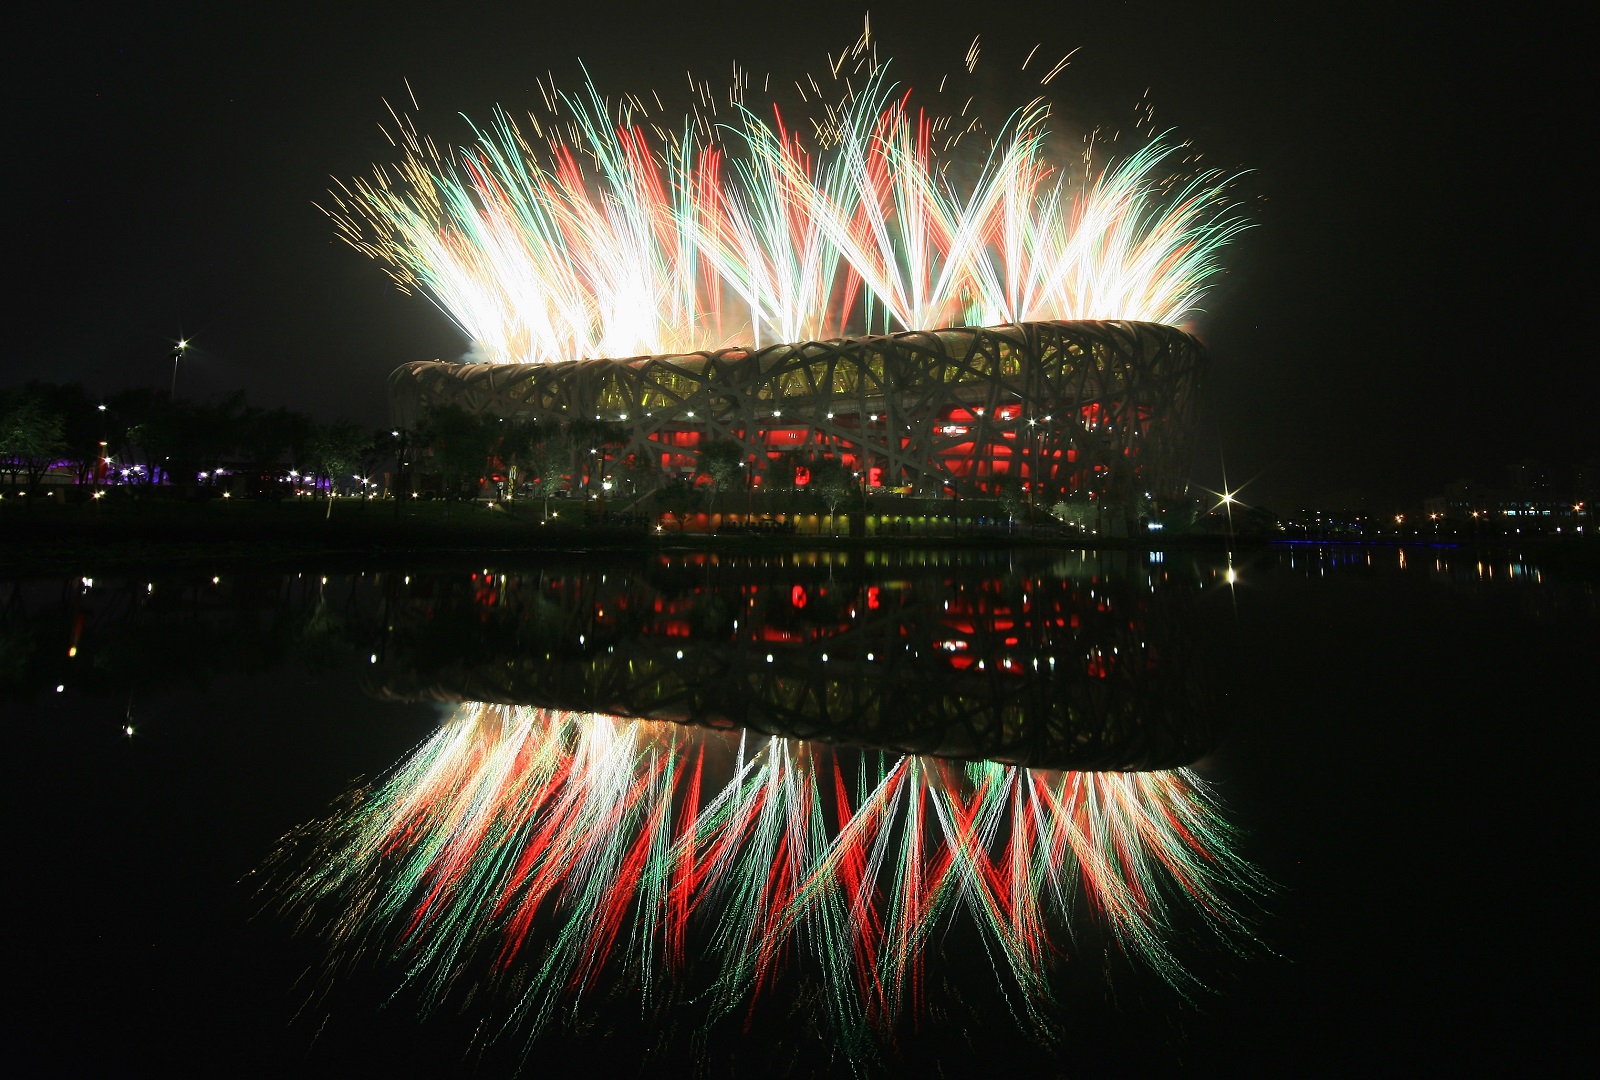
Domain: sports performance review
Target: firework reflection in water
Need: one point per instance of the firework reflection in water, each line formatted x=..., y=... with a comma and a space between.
x=563, y=844
x=615, y=231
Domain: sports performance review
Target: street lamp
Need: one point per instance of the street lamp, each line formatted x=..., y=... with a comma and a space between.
x=401, y=477
x=177, y=353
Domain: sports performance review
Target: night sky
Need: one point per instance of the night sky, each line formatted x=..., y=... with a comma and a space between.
x=1406, y=312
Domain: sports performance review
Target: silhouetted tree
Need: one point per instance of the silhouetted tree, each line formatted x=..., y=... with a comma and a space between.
x=678, y=498
x=1077, y=511
x=720, y=459
x=781, y=474
x=1008, y=489
x=182, y=439
x=269, y=438
x=82, y=423
x=31, y=437
x=832, y=483
x=459, y=442
x=137, y=431
x=637, y=476
x=543, y=465
x=589, y=440
x=335, y=449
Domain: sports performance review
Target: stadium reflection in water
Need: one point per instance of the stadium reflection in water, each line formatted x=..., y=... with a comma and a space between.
x=706, y=777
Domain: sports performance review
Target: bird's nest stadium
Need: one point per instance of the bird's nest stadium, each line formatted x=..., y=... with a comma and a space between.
x=1102, y=410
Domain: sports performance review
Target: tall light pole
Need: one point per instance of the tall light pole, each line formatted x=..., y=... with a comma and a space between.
x=401, y=479
x=177, y=352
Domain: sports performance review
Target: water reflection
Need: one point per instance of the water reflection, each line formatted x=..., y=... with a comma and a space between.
x=1078, y=662
x=529, y=863
x=1553, y=580
x=546, y=854
x=538, y=636
x=697, y=784
x=1445, y=562
x=704, y=778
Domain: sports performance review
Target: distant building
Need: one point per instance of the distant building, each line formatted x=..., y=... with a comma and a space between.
x=1528, y=479
x=1531, y=504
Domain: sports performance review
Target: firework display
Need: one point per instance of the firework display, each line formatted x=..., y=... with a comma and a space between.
x=847, y=295
x=814, y=289
x=626, y=234
x=569, y=846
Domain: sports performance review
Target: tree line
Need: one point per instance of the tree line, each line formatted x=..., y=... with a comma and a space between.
x=143, y=437
x=578, y=458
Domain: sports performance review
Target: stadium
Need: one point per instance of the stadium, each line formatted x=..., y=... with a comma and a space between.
x=1055, y=410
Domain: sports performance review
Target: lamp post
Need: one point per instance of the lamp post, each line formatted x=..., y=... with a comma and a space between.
x=177, y=353
x=400, y=484
x=1035, y=450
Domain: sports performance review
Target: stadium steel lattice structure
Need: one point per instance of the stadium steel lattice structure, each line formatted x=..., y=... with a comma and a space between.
x=1096, y=408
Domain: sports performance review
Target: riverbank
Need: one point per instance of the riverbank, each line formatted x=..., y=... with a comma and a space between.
x=114, y=534
x=125, y=534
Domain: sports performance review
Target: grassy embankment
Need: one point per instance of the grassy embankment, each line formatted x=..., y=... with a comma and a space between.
x=125, y=532
x=120, y=531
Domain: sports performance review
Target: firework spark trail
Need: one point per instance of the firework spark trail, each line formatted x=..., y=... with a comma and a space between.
x=763, y=237
x=613, y=243
x=602, y=839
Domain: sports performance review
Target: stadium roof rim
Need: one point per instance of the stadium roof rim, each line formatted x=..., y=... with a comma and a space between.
x=1132, y=329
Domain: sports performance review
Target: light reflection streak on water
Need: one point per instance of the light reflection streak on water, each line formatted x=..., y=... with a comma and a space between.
x=573, y=847
x=1446, y=565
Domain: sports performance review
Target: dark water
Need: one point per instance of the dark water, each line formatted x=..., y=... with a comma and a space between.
x=1394, y=736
